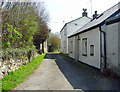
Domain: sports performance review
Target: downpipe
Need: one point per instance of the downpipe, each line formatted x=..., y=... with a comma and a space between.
x=104, y=35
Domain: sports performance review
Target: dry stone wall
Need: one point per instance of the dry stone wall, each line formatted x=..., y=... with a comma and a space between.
x=13, y=59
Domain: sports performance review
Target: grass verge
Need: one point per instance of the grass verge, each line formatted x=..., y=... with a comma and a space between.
x=13, y=79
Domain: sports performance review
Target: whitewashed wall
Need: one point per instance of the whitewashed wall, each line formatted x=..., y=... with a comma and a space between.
x=93, y=38
x=112, y=41
x=69, y=29
x=64, y=40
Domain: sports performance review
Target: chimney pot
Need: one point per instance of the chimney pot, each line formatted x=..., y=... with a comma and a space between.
x=95, y=15
x=84, y=14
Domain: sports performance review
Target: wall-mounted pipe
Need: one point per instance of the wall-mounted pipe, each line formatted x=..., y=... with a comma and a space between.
x=104, y=35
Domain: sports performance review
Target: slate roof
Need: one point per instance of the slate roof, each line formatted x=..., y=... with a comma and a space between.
x=71, y=22
x=101, y=18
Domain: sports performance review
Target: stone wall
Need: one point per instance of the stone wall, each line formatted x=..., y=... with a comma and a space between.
x=13, y=59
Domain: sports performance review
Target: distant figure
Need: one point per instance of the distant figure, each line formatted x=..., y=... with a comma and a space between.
x=84, y=14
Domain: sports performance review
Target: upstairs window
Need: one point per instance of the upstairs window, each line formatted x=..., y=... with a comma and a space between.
x=92, y=50
x=84, y=46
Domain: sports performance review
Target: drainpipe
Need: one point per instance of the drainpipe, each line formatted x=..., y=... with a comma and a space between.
x=104, y=35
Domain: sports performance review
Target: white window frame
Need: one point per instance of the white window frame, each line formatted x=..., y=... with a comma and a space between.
x=92, y=50
x=84, y=46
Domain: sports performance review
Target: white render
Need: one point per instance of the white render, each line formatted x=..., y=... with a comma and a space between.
x=93, y=38
x=112, y=46
x=102, y=35
x=68, y=29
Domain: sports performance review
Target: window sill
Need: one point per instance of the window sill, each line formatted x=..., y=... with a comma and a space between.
x=84, y=54
x=92, y=54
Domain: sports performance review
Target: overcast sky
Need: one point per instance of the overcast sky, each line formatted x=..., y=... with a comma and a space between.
x=63, y=11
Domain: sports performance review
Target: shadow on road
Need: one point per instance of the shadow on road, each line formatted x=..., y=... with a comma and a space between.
x=81, y=76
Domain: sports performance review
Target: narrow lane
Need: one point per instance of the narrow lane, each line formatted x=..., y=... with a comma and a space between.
x=46, y=77
x=59, y=73
x=83, y=77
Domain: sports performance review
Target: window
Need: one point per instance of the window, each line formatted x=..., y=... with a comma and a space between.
x=84, y=47
x=92, y=50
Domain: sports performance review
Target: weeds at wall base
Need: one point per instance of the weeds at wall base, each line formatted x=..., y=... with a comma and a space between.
x=13, y=79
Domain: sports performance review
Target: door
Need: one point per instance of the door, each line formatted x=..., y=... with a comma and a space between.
x=76, y=49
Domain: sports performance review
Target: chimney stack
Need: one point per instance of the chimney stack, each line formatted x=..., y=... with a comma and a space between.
x=84, y=14
x=95, y=15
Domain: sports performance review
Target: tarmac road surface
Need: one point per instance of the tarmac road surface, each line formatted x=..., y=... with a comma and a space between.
x=59, y=73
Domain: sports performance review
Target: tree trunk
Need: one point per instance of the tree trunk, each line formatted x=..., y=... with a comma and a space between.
x=43, y=47
x=1, y=28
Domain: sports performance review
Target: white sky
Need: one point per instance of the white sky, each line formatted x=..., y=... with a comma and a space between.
x=67, y=10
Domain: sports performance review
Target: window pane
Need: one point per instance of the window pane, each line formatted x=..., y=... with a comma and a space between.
x=91, y=50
